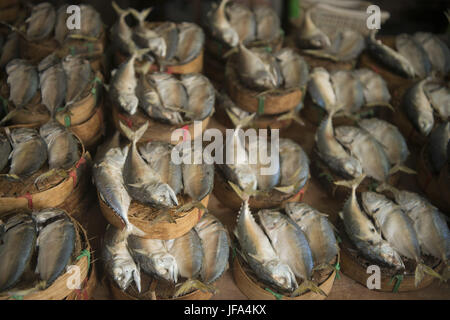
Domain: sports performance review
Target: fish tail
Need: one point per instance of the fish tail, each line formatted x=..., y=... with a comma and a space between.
x=9, y=116
x=119, y=10
x=138, y=53
x=400, y=167
x=351, y=184
x=241, y=123
x=386, y=187
x=133, y=136
x=421, y=269
x=308, y=285
x=193, y=284
x=241, y=193
x=292, y=115
x=141, y=15
x=137, y=278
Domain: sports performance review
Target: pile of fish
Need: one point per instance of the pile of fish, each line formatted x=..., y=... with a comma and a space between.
x=342, y=44
x=256, y=167
x=193, y=261
x=45, y=22
x=35, y=250
x=61, y=82
x=423, y=100
x=162, y=96
x=234, y=23
x=439, y=146
x=147, y=174
x=168, y=43
x=347, y=91
x=416, y=55
x=287, y=246
x=390, y=231
x=263, y=70
x=375, y=148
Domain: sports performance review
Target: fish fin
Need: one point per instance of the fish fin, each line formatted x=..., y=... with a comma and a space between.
x=308, y=285
x=428, y=270
x=11, y=177
x=137, y=278
x=241, y=193
x=193, y=284
x=351, y=184
x=119, y=10
x=140, y=15
x=286, y=189
x=386, y=187
x=132, y=229
x=133, y=136
x=402, y=168
x=292, y=115
x=341, y=215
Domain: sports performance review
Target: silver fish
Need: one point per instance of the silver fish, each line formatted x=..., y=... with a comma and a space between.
x=348, y=90
x=90, y=22
x=390, y=138
x=158, y=155
x=169, y=32
x=366, y=149
x=78, y=73
x=201, y=95
x=23, y=81
x=374, y=87
x=242, y=20
x=310, y=36
x=221, y=27
x=260, y=254
x=321, y=89
x=190, y=42
x=17, y=244
x=268, y=24
x=390, y=57
x=418, y=108
x=61, y=29
x=143, y=183
x=439, y=139
x=5, y=150
x=294, y=165
x=437, y=51
x=53, y=82
x=118, y=262
x=56, y=243
x=198, y=177
x=265, y=162
x=408, y=47
x=215, y=245
x=318, y=231
x=294, y=68
x=439, y=97
x=29, y=152
x=10, y=49
x=41, y=21
x=121, y=33
x=154, y=258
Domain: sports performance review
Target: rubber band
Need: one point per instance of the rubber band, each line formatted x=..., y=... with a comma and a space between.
x=337, y=267
x=294, y=9
x=169, y=70
x=67, y=121
x=127, y=120
x=301, y=193
x=16, y=297
x=185, y=132
x=73, y=173
x=85, y=253
x=399, y=279
x=72, y=51
x=375, y=69
x=29, y=197
x=276, y=295
x=261, y=100
x=268, y=49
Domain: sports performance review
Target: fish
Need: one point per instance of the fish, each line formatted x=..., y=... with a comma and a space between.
x=294, y=163
x=294, y=69
x=10, y=49
x=23, y=81
x=5, y=150
x=78, y=74
x=408, y=47
x=318, y=231
x=41, y=22
x=254, y=70
x=62, y=146
x=61, y=29
x=153, y=257
x=111, y=143
x=291, y=246
x=321, y=89
x=348, y=90
x=118, y=262
x=310, y=36
x=390, y=138
x=90, y=22
x=333, y=153
x=56, y=244
x=256, y=249
x=121, y=33
x=237, y=116
x=437, y=51
x=418, y=108
x=201, y=95
x=190, y=42
x=158, y=155
x=216, y=249
x=439, y=97
x=53, y=82
x=438, y=142
x=142, y=182
x=268, y=24
x=389, y=57
x=367, y=150
x=169, y=32
x=398, y=229
x=17, y=245
x=374, y=87
x=29, y=152
x=221, y=26
x=243, y=20
x=363, y=233
x=198, y=176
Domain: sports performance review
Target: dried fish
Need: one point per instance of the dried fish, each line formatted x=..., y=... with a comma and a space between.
x=418, y=108
x=294, y=68
x=190, y=42
x=41, y=21
x=242, y=20
x=201, y=95
x=268, y=24
x=408, y=47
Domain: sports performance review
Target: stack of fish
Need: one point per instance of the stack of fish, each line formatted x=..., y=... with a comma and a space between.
x=45, y=22
x=147, y=174
x=422, y=227
x=234, y=23
x=286, y=248
x=347, y=91
x=44, y=241
x=286, y=171
x=415, y=56
x=193, y=261
x=162, y=96
x=168, y=43
x=375, y=148
x=425, y=98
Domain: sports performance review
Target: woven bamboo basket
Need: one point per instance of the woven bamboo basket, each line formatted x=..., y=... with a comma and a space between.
x=9, y=14
x=250, y=286
x=355, y=267
x=157, y=131
x=22, y=195
x=228, y=197
x=89, y=284
x=91, y=130
x=252, y=101
x=59, y=289
x=143, y=218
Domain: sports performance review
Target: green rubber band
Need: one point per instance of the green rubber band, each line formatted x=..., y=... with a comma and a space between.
x=90, y=47
x=97, y=80
x=17, y=297
x=67, y=120
x=337, y=267
x=268, y=49
x=261, y=104
x=85, y=253
x=399, y=279
x=294, y=9
x=233, y=253
x=72, y=51
x=276, y=295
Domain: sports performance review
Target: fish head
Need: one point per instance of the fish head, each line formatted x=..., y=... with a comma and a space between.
x=390, y=255
x=163, y=195
x=352, y=166
x=230, y=36
x=129, y=102
x=125, y=274
x=266, y=80
x=426, y=124
x=346, y=134
x=282, y=275
x=373, y=202
x=319, y=41
x=166, y=267
x=271, y=219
